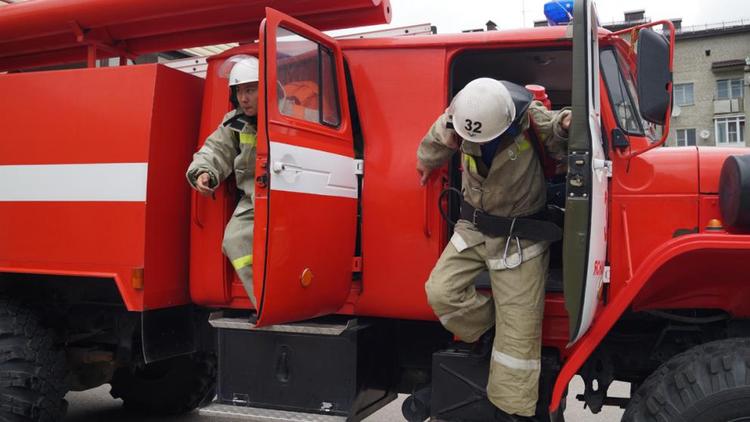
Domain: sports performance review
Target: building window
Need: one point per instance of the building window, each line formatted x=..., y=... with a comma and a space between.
x=683, y=94
x=685, y=137
x=728, y=88
x=730, y=130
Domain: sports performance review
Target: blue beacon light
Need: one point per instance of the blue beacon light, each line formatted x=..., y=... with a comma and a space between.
x=558, y=12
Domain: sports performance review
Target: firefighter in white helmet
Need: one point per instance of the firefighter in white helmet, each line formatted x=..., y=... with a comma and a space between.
x=501, y=230
x=231, y=148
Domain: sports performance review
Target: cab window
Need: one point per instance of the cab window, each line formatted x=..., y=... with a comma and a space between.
x=306, y=74
x=621, y=89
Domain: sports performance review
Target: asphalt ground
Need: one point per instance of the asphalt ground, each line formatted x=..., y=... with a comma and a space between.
x=98, y=406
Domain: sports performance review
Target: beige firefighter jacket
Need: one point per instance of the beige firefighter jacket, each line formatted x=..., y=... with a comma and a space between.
x=226, y=151
x=513, y=186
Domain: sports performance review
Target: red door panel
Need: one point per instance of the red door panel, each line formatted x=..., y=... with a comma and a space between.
x=307, y=189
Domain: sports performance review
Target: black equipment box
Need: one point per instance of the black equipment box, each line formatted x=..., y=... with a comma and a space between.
x=459, y=384
x=307, y=367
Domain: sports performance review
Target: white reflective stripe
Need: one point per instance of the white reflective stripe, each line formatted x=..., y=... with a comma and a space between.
x=529, y=252
x=515, y=363
x=74, y=182
x=458, y=242
x=459, y=312
x=305, y=170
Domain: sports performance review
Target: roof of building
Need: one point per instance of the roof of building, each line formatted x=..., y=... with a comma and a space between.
x=713, y=30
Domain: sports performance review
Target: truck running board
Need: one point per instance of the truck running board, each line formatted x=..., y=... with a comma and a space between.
x=265, y=415
x=218, y=320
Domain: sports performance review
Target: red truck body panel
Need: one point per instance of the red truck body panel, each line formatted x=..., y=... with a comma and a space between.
x=75, y=226
x=660, y=202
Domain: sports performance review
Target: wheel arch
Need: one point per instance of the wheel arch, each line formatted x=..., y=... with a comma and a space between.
x=646, y=289
x=164, y=333
x=22, y=278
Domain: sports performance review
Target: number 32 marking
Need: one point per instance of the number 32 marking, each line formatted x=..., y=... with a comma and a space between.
x=473, y=127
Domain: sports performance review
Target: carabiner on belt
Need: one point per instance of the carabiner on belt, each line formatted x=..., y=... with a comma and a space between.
x=507, y=247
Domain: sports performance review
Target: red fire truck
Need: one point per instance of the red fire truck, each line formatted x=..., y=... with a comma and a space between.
x=112, y=271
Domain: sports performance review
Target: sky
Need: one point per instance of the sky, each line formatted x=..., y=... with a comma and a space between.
x=454, y=16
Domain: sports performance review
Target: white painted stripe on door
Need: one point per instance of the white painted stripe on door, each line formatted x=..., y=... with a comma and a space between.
x=305, y=170
x=74, y=182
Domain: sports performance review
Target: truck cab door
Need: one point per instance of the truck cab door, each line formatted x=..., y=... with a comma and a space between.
x=585, y=242
x=306, y=187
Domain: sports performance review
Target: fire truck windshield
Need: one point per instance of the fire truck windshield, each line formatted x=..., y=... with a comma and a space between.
x=621, y=90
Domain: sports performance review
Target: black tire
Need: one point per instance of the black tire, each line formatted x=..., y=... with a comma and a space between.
x=708, y=383
x=33, y=371
x=167, y=387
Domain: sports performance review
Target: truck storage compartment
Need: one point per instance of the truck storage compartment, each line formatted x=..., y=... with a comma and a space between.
x=96, y=159
x=338, y=368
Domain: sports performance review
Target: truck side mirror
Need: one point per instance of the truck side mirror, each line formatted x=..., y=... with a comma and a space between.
x=654, y=76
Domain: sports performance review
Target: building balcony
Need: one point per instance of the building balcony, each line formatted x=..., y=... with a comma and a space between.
x=733, y=105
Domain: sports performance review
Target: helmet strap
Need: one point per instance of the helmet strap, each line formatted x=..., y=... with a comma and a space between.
x=233, y=96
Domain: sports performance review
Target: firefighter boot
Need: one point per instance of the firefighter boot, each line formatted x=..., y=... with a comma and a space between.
x=501, y=416
x=483, y=346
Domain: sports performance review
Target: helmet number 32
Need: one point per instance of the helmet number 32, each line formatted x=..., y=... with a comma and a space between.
x=473, y=127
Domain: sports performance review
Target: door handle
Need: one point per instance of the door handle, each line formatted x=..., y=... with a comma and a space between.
x=278, y=167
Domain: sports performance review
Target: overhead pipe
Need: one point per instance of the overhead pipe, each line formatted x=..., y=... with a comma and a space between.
x=65, y=48
x=44, y=17
x=153, y=29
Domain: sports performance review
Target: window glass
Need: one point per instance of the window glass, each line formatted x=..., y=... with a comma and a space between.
x=730, y=130
x=330, y=99
x=621, y=93
x=736, y=88
x=685, y=137
x=305, y=71
x=722, y=90
x=683, y=94
x=729, y=88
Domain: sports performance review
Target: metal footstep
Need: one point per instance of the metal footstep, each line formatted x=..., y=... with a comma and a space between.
x=218, y=320
x=265, y=415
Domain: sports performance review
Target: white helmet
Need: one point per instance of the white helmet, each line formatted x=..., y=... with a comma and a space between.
x=482, y=110
x=240, y=69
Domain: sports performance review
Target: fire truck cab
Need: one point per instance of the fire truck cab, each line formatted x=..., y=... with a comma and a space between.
x=345, y=235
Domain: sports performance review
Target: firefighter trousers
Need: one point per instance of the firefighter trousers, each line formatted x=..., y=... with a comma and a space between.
x=515, y=309
x=238, y=244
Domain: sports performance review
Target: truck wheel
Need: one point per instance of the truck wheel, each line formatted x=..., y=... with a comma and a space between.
x=33, y=371
x=167, y=387
x=707, y=383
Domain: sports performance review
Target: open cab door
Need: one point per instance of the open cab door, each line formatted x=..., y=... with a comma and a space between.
x=585, y=241
x=307, y=187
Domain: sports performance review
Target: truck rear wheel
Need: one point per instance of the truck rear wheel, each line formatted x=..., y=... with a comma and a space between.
x=167, y=387
x=707, y=383
x=32, y=370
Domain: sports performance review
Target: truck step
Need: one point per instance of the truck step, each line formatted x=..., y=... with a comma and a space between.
x=218, y=320
x=257, y=414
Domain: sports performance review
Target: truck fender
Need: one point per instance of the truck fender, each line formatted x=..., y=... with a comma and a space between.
x=643, y=275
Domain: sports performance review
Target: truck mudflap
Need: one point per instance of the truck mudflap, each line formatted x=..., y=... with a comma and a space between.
x=331, y=369
x=168, y=332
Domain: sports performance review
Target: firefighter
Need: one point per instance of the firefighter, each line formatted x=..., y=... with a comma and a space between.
x=495, y=125
x=231, y=148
